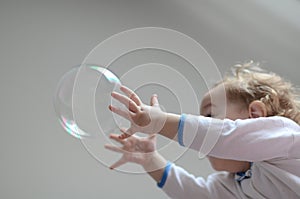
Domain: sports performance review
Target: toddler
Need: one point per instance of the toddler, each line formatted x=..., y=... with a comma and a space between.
x=257, y=151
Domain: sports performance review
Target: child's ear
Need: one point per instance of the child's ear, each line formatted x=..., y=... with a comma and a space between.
x=257, y=109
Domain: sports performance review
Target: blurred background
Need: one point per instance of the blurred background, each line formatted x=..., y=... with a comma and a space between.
x=40, y=40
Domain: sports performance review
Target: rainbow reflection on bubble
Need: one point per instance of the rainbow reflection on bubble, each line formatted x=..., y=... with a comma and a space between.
x=71, y=128
x=64, y=105
x=107, y=74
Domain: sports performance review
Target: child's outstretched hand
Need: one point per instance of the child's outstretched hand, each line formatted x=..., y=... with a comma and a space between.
x=143, y=118
x=140, y=150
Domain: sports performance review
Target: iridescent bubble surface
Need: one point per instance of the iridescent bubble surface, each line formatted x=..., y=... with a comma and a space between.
x=63, y=104
x=81, y=101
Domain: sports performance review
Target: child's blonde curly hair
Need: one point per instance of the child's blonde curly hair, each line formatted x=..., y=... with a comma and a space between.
x=249, y=82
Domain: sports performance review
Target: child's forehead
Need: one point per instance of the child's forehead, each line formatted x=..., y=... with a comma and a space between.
x=216, y=91
x=215, y=94
x=206, y=98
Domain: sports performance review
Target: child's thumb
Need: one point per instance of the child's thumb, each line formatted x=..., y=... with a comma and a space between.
x=154, y=101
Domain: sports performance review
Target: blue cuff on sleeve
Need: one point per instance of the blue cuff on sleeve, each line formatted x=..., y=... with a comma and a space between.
x=165, y=175
x=180, y=129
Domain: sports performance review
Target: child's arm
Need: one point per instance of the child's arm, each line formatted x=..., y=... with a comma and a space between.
x=156, y=167
x=250, y=140
x=181, y=184
x=173, y=180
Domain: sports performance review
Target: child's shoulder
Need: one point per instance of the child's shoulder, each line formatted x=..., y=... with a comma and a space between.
x=274, y=122
x=287, y=122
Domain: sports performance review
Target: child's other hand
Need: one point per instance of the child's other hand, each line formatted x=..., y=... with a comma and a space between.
x=143, y=118
x=135, y=149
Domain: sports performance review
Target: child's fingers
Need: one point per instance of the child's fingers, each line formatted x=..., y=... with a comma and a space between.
x=131, y=95
x=129, y=103
x=125, y=133
x=116, y=138
x=121, y=112
x=114, y=148
x=154, y=101
x=118, y=163
x=124, y=136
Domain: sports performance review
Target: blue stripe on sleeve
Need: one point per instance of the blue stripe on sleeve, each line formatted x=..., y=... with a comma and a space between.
x=165, y=175
x=180, y=129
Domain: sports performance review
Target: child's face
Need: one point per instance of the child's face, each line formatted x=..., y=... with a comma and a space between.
x=215, y=104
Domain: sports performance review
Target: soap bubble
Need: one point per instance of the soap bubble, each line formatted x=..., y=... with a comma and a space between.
x=81, y=102
x=63, y=104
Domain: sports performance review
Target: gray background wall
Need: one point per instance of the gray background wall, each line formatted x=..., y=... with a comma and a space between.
x=40, y=40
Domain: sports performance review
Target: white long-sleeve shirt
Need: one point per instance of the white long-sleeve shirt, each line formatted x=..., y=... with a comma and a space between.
x=271, y=143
